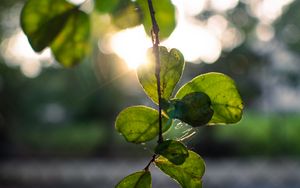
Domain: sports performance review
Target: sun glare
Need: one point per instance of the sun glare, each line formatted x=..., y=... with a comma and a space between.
x=195, y=41
x=76, y=2
x=191, y=7
x=131, y=45
x=223, y=5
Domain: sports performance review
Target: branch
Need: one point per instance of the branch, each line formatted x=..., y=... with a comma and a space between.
x=155, y=42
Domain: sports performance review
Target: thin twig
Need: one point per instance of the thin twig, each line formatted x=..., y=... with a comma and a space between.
x=151, y=161
x=155, y=42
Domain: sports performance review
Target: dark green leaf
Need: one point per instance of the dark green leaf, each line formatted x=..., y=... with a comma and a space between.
x=106, y=6
x=172, y=64
x=73, y=42
x=194, y=109
x=43, y=20
x=173, y=150
x=58, y=24
x=226, y=101
x=140, y=179
x=140, y=124
x=165, y=16
x=188, y=174
x=126, y=14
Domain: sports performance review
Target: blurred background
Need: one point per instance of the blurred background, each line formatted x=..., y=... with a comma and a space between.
x=57, y=125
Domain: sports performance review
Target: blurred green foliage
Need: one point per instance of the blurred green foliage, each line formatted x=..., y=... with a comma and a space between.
x=268, y=135
x=288, y=27
x=78, y=139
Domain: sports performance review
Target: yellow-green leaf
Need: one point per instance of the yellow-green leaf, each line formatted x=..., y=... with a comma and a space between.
x=140, y=124
x=140, y=179
x=127, y=14
x=171, y=68
x=188, y=174
x=73, y=42
x=105, y=6
x=165, y=16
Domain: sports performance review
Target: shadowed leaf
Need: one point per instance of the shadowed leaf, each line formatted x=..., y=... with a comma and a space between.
x=225, y=99
x=194, y=109
x=173, y=150
x=60, y=25
x=43, y=20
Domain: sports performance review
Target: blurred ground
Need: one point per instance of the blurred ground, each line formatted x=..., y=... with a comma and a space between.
x=233, y=173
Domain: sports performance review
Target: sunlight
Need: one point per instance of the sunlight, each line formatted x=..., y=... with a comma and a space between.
x=131, y=45
x=76, y=2
x=17, y=52
x=223, y=5
x=191, y=37
x=191, y=7
x=195, y=42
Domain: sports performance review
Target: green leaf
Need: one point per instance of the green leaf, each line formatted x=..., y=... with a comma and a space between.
x=165, y=16
x=105, y=6
x=127, y=14
x=140, y=179
x=188, y=174
x=60, y=25
x=43, y=20
x=173, y=150
x=194, y=109
x=140, y=124
x=171, y=68
x=226, y=101
x=73, y=42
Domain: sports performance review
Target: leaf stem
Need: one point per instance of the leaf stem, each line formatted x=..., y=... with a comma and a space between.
x=155, y=42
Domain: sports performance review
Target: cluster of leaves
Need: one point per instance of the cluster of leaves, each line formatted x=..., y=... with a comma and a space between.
x=65, y=28
x=207, y=99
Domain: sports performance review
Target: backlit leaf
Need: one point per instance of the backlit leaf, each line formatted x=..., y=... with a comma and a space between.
x=127, y=14
x=173, y=150
x=140, y=124
x=140, y=179
x=60, y=25
x=73, y=42
x=188, y=174
x=105, y=6
x=171, y=67
x=43, y=20
x=225, y=99
x=165, y=16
